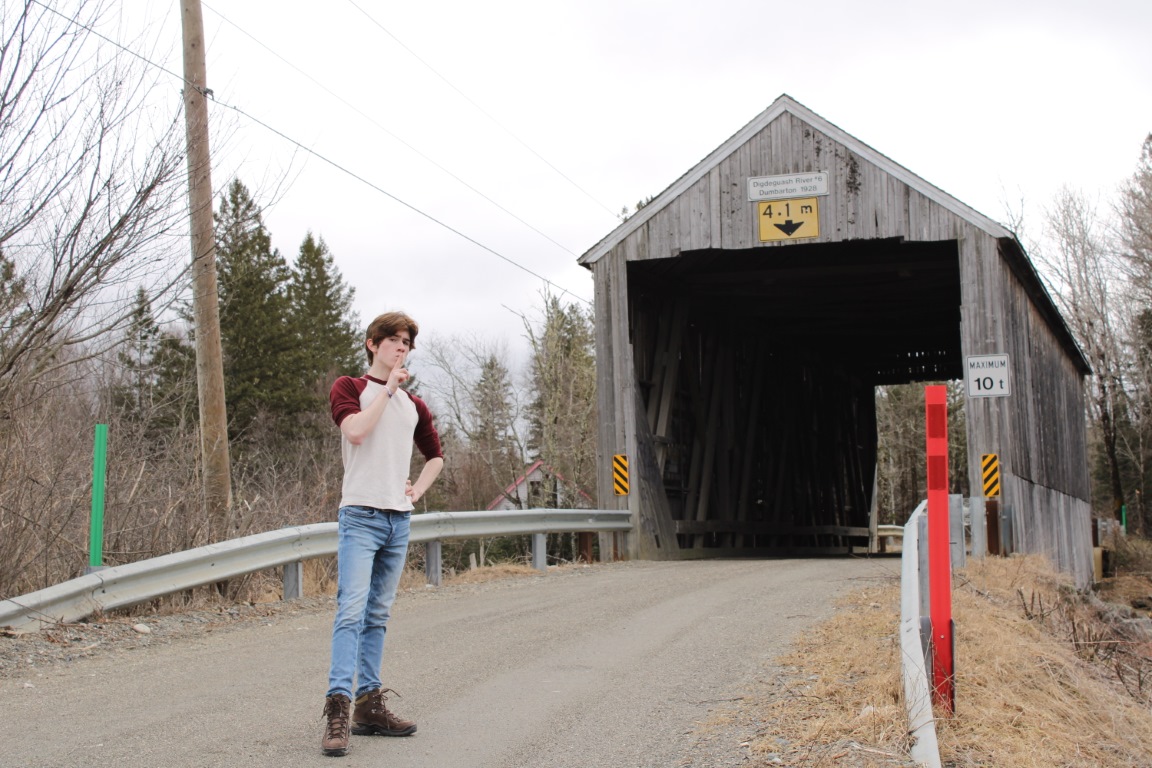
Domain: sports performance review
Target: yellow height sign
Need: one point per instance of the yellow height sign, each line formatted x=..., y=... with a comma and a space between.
x=620, y=474
x=788, y=219
x=990, y=472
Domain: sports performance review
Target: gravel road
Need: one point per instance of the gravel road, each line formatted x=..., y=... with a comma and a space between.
x=613, y=666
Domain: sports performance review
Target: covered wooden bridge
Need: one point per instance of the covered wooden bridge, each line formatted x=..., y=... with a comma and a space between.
x=745, y=315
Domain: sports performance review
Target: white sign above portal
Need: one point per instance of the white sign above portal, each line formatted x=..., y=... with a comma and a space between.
x=787, y=185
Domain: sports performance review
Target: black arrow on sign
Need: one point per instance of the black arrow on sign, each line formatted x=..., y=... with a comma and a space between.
x=789, y=227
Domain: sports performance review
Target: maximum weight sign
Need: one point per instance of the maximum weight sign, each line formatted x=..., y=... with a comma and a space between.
x=987, y=376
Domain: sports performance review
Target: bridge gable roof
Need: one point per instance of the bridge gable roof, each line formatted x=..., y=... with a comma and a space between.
x=787, y=105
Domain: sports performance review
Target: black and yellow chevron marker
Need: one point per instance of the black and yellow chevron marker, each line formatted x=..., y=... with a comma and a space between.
x=620, y=474
x=990, y=472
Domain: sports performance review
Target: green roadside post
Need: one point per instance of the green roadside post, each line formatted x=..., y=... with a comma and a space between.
x=96, y=521
x=1124, y=517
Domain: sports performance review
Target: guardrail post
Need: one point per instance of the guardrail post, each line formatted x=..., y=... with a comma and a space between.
x=293, y=580
x=1007, y=524
x=956, y=530
x=540, y=551
x=433, y=562
x=914, y=636
x=979, y=529
x=922, y=563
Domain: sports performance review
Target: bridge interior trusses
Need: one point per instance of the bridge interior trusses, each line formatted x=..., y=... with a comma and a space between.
x=757, y=371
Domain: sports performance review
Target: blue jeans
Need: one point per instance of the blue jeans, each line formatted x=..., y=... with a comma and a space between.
x=372, y=548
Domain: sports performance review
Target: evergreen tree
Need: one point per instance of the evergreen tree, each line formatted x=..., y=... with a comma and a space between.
x=264, y=365
x=492, y=434
x=492, y=410
x=134, y=395
x=330, y=340
x=158, y=383
x=13, y=295
x=176, y=402
x=562, y=412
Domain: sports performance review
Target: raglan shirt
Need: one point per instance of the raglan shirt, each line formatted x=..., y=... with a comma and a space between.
x=376, y=471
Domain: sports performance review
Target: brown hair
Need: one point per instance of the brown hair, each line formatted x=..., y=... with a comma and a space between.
x=389, y=324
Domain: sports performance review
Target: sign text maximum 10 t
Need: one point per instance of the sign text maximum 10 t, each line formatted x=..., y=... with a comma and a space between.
x=987, y=376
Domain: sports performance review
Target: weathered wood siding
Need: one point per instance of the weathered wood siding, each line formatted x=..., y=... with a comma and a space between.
x=1039, y=432
x=865, y=201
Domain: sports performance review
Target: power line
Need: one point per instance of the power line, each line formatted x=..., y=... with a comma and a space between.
x=483, y=111
x=207, y=92
x=370, y=119
x=388, y=194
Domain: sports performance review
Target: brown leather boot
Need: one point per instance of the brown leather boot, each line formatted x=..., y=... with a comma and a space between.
x=371, y=717
x=335, y=741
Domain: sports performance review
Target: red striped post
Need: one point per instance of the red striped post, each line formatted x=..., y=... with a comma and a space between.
x=939, y=558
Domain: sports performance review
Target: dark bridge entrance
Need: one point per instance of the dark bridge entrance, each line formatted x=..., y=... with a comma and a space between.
x=737, y=360
x=756, y=370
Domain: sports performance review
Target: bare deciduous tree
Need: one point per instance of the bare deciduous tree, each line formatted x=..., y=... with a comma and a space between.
x=91, y=177
x=1089, y=286
x=900, y=461
x=476, y=393
x=1135, y=233
x=1135, y=212
x=91, y=214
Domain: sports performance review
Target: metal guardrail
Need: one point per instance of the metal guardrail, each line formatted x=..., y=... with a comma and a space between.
x=917, y=692
x=126, y=585
x=889, y=530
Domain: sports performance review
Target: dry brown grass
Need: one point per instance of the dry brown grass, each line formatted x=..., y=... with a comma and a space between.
x=1128, y=589
x=1036, y=684
x=493, y=572
x=320, y=578
x=838, y=701
x=1131, y=556
x=1036, y=681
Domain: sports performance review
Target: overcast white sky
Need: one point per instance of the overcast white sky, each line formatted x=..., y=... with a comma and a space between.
x=994, y=102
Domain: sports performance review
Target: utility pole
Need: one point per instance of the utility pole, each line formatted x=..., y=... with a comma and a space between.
x=205, y=306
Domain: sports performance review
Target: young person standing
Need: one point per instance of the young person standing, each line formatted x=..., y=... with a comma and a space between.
x=379, y=421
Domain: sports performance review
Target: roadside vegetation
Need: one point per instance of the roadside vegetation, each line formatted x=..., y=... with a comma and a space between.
x=1045, y=677
x=95, y=328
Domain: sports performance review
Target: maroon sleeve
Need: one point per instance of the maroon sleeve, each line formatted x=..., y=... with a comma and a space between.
x=426, y=437
x=345, y=397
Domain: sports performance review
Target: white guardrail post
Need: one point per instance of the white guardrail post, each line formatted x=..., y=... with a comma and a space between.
x=293, y=580
x=433, y=563
x=977, y=526
x=125, y=585
x=956, y=539
x=917, y=691
x=540, y=551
